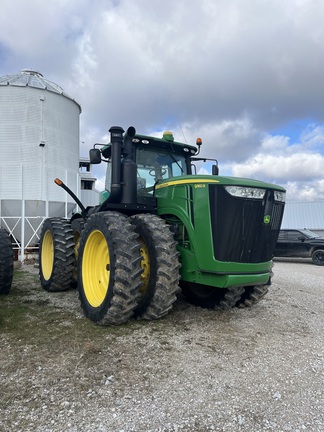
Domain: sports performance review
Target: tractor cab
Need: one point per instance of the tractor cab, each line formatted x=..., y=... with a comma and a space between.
x=137, y=163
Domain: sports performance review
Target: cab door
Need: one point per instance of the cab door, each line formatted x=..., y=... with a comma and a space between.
x=296, y=244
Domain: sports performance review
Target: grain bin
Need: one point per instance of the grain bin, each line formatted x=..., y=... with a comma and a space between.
x=39, y=141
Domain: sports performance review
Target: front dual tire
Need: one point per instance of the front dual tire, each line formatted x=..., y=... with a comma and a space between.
x=160, y=264
x=127, y=266
x=109, y=271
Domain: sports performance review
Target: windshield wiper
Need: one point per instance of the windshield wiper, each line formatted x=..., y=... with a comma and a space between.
x=175, y=160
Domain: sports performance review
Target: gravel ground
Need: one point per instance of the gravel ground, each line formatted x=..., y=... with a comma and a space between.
x=258, y=369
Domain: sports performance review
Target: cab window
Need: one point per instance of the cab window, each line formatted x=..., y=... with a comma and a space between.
x=153, y=166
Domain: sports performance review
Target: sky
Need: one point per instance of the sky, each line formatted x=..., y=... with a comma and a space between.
x=246, y=76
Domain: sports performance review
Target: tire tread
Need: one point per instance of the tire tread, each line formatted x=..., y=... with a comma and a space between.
x=64, y=255
x=166, y=279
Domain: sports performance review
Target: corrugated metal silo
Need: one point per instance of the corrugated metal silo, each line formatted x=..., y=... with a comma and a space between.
x=39, y=141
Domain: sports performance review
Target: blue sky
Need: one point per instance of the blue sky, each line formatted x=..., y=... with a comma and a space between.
x=244, y=75
x=294, y=128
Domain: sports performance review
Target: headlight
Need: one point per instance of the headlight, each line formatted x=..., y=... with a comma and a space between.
x=245, y=192
x=280, y=196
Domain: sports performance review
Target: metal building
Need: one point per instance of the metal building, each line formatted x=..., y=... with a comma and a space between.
x=299, y=215
x=39, y=141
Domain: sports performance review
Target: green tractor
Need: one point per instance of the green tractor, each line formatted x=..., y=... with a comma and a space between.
x=6, y=262
x=160, y=227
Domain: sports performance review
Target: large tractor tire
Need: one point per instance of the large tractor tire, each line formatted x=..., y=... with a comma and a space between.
x=211, y=297
x=160, y=264
x=6, y=262
x=56, y=255
x=109, y=271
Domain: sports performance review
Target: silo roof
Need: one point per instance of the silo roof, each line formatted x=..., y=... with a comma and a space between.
x=33, y=78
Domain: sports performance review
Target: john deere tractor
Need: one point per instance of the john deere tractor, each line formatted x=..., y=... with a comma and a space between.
x=160, y=226
x=6, y=262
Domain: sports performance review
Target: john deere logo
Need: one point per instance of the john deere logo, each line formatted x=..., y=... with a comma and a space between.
x=266, y=219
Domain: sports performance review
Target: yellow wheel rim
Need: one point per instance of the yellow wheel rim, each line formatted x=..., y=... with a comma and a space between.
x=47, y=256
x=145, y=264
x=95, y=268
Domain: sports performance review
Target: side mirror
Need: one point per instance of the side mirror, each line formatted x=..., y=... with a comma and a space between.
x=215, y=170
x=95, y=156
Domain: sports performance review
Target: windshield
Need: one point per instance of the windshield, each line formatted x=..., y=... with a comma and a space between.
x=153, y=166
x=309, y=234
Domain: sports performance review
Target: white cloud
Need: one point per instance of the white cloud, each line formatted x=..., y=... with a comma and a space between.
x=225, y=140
x=296, y=167
x=305, y=191
x=275, y=144
x=301, y=166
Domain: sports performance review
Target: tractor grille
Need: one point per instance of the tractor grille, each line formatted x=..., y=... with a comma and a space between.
x=238, y=228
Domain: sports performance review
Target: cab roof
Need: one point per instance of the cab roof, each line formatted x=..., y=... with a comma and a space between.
x=168, y=144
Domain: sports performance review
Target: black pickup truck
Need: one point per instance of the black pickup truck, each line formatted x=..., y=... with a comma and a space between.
x=300, y=243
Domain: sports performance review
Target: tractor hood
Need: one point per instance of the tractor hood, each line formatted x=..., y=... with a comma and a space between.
x=225, y=181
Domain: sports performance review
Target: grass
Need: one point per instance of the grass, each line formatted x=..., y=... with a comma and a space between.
x=30, y=313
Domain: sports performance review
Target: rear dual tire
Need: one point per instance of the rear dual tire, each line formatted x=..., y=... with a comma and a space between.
x=224, y=298
x=56, y=255
x=252, y=295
